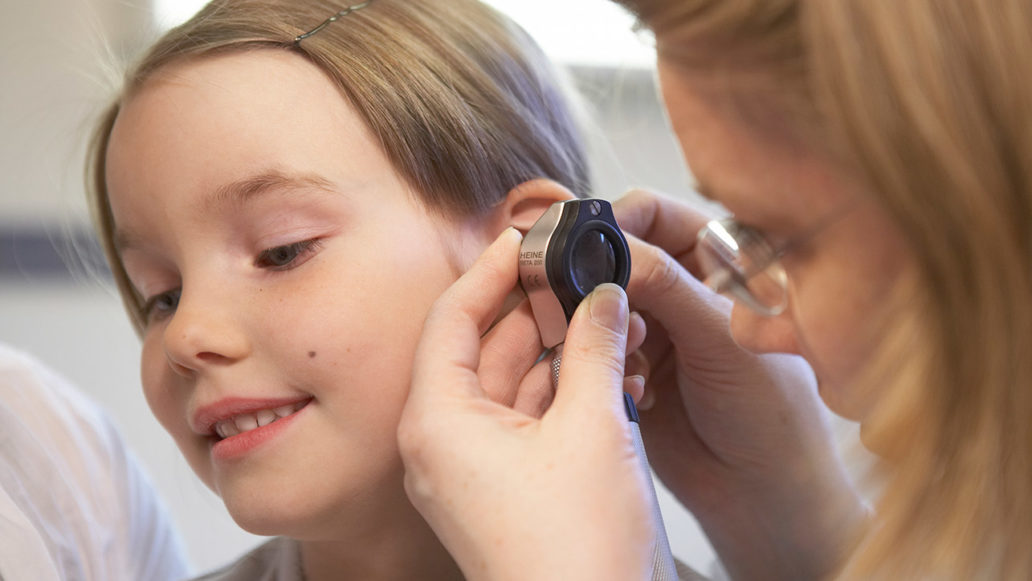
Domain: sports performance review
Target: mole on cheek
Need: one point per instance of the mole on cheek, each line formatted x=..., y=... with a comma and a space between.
x=311, y=353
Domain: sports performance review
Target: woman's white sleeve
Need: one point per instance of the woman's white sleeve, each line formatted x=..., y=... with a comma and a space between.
x=74, y=503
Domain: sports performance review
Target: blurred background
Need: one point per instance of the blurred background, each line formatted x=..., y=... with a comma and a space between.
x=60, y=61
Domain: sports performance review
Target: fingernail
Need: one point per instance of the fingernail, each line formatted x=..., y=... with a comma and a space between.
x=609, y=307
x=648, y=399
x=511, y=231
x=638, y=319
x=636, y=381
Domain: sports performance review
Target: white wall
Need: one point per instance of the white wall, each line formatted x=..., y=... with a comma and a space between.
x=54, y=73
x=53, y=81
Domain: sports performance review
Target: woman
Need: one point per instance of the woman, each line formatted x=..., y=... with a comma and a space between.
x=875, y=159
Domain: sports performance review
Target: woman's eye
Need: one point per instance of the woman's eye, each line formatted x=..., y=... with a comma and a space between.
x=161, y=305
x=287, y=256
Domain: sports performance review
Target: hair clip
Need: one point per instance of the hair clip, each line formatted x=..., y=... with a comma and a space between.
x=332, y=19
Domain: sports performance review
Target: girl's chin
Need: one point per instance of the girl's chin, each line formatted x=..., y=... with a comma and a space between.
x=271, y=514
x=269, y=523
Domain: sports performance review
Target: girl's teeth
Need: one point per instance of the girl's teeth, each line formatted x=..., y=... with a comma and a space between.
x=266, y=417
x=247, y=422
x=226, y=429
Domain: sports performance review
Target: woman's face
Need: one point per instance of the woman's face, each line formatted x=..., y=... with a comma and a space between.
x=846, y=256
x=287, y=270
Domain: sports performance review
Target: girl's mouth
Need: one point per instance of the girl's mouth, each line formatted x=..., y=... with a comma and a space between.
x=243, y=423
x=237, y=436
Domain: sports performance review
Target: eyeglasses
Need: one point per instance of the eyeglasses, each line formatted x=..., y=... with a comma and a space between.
x=737, y=261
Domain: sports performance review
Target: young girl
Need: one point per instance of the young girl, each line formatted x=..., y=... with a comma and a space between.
x=281, y=197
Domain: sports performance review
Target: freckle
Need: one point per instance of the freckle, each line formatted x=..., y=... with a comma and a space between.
x=311, y=353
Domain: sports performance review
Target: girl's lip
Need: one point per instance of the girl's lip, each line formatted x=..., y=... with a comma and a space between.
x=204, y=419
x=241, y=444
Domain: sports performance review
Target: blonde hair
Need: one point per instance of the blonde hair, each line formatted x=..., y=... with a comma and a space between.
x=928, y=100
x=463, y=102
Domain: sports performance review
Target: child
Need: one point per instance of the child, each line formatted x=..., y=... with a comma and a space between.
x=279, y=211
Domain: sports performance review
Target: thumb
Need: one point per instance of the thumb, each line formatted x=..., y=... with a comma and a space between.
x=592, y=373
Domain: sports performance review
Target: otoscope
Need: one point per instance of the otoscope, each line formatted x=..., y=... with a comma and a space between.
x=575, y=246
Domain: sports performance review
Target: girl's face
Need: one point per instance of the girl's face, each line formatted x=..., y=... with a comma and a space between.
x=287, y=270
x=846, y=255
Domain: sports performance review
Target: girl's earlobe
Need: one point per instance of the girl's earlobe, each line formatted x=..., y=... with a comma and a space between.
x=525, y=203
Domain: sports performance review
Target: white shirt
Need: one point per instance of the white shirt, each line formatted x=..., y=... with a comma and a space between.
x=74, y=504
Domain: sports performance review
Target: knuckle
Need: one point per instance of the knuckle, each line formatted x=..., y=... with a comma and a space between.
x=418, y=487
x=413, y=439
x=661, y=272
x=605, y=352
x=409, y=441
x=634, y=211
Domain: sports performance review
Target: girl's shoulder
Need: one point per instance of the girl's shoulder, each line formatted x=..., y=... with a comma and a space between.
x=278, y=559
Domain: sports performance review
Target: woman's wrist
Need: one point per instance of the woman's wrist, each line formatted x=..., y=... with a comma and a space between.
x=800, y=533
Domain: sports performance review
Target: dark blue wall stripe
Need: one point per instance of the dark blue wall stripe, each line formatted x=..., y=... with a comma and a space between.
x=50, y=254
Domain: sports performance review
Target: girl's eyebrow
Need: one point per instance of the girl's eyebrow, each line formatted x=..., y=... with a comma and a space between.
x=240, y=192
x=247, y=189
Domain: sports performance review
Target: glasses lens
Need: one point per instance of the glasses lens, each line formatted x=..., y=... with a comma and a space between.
x=594, y=261
x=739, y=262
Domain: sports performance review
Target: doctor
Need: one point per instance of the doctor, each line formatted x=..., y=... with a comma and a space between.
x=875, y=160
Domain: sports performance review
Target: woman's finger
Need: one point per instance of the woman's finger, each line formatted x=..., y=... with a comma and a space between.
x=637, y=364
x=508, y=351
x=637, y=332
x=448, y=356
x=592, y=373
x=669, y=223
x=536, y=391
x=694, y=317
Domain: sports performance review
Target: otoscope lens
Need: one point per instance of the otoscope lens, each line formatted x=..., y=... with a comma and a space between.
x=593, y=261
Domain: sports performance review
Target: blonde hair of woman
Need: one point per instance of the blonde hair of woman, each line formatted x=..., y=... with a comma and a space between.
x=927, y=100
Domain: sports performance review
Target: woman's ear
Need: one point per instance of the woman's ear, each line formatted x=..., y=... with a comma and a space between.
x=525, y=203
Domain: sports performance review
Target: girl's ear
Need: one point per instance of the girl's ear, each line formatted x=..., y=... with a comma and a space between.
x=525, y=203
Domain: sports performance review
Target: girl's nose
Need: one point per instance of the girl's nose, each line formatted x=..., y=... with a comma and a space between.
x=202, y=332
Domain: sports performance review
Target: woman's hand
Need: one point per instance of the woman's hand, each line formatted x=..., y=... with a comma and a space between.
x=510, y=495
x=739, y=438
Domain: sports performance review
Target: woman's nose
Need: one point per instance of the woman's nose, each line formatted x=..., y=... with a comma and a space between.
x=204, y=331
x=763, y=334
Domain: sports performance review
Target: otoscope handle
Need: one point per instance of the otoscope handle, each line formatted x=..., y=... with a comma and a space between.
x=663, y=568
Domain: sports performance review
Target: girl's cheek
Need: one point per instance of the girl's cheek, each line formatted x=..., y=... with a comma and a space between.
x=152, y=376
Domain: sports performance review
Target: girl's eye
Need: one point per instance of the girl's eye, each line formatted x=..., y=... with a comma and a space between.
x=287, y=256
x=161, y=305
